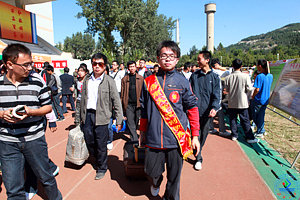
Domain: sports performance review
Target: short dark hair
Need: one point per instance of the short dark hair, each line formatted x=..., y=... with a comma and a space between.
x=66, y=70
x=187, y=65
x=206, y=55
x=237, y=64
x=12, y=51
x=50, y=68
x=168, y=44
x=263, y=63
x=130, y=63
x=156, y=65
x=115, y=61
x=84, y=67
x=45, y=64
x=143, y=59
x=99, y=56
x=215, y=61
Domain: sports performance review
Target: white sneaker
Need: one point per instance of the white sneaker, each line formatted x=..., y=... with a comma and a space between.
x=214, y=131
x=56, y=171
x=260, y=135
x=110, y=146
x=198, y=165
x=234, y=138
x=225, y=134
x=29, y=195
x=154, y=190
x=253, y=141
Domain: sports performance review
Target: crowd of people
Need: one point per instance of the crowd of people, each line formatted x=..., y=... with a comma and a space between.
x=173, y=109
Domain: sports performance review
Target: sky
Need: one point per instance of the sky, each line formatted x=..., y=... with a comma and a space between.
x=234, y=19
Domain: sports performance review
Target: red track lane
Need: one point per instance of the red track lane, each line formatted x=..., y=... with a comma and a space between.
x=227, y=174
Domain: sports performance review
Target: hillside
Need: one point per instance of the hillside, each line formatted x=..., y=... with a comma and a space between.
x=287, y=36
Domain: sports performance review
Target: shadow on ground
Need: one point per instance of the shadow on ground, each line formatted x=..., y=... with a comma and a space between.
x=131, y=186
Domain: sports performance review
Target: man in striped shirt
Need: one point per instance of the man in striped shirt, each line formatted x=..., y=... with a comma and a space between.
x=22, y=136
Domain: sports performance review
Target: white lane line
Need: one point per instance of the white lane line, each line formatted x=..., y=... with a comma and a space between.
x=57, y=144
x=69, y=193
x=78, y=183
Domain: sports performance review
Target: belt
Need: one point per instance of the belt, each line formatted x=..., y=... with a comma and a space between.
x=91, y=110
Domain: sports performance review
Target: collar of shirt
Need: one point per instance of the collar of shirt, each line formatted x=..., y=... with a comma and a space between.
x=98, y=79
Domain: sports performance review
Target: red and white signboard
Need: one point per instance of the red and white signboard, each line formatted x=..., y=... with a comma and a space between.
x=60, y=63
x=38, y=65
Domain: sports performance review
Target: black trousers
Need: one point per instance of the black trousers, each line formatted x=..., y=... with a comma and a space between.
x=155, y=165
x=244, y=121
x=96, y=140
x=133, y=115
x=205, y=123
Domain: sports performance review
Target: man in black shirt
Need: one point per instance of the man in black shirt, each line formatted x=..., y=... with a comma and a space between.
x=130, y=96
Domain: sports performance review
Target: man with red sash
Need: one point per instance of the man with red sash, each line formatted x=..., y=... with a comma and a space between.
x=167, y=104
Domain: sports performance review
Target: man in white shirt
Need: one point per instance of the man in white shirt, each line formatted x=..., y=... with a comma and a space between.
x=218, y=69
x=187, y=70
x=142, y=67
x=99, y=98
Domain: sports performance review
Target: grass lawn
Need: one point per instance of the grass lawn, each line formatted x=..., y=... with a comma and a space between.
x=283, y=135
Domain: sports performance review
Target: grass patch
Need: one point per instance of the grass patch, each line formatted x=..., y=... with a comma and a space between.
x=283, y=135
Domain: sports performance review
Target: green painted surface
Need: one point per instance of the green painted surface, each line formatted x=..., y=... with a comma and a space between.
x=274, y=169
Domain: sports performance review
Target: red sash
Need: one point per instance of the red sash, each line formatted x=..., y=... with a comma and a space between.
x=169, y=116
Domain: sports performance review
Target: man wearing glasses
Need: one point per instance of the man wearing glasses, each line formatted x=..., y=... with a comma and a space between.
x=167, y=103
x=98, y=99
x=22, y=136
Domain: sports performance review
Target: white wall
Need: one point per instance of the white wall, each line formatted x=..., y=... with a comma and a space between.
x=44, y=20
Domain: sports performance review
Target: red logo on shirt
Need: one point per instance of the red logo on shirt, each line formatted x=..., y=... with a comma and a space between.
x=174, y=97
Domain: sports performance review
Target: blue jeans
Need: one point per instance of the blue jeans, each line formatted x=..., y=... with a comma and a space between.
x=258, y=115
x=13, y=156
x=57, y=108
x=64, y=101
x=110, y=132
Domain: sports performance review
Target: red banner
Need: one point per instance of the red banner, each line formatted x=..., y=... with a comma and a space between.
x=38, y=65
x=60, y=63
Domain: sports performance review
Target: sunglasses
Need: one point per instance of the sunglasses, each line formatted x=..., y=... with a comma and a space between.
x=98, y=63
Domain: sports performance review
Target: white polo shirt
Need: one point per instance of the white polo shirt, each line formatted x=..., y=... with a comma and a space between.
x=93, y=86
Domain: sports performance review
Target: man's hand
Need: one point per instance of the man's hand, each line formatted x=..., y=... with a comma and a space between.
x=53, y=129
x=8, y=116
x=142, y=139
x=196, y=144
x=119, y=127
x=72, y=89
x=212, y=113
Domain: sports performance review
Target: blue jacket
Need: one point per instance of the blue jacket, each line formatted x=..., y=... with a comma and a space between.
x=206, y=87
x=158, y=134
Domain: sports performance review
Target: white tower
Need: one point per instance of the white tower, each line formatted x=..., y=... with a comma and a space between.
x=177, y=32
x=210, y=10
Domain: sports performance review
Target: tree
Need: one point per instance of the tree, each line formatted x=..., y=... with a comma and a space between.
x=137, y=21
x=59, y=46
x=80, y=45
x=193, y=51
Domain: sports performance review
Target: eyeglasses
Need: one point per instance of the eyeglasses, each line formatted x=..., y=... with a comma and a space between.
x=25, y=65
x=165, y=56
x=101, y=64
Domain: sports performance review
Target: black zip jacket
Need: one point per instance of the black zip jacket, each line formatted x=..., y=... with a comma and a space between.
x=207, y=89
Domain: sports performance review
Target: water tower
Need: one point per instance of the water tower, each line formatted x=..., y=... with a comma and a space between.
x=210, y=10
